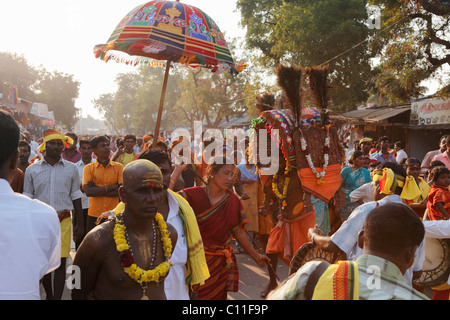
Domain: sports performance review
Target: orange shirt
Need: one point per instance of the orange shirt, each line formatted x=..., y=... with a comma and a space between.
x=438, y=194
x=102, y=177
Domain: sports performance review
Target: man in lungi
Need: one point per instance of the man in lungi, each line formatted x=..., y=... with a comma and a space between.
x=56, y=182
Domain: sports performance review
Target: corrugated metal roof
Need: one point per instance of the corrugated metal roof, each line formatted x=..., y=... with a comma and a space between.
x=376, y=114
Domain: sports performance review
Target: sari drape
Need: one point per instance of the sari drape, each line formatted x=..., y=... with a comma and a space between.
x=215, y=224
x=351, y=180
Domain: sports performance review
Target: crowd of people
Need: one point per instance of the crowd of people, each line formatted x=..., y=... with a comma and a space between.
x=146, y=227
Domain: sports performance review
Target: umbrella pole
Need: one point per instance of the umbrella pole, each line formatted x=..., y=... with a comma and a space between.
x=161, y=106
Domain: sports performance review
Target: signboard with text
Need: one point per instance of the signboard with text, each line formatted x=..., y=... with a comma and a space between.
x=431, y=111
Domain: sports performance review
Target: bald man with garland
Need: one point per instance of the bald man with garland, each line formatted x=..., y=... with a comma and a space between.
x=128, y=258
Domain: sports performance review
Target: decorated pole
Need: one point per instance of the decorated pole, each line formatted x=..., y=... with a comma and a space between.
x=161, y=105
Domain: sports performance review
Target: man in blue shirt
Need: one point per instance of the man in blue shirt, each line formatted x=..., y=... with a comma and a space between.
x=384, y=155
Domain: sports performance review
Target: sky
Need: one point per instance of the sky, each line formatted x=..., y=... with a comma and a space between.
x=60, y=35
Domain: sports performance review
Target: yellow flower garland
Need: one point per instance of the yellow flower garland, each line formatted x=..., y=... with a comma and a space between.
x=136, y=273
x=283, y=196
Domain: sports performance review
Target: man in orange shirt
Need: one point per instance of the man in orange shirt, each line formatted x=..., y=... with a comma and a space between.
x=101, y=181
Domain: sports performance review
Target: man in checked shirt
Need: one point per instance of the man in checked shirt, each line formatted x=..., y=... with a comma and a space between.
x=56, y=182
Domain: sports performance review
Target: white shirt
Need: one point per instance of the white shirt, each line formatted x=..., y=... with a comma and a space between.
x=56, y=185
x=84, y=198
x=439, y=229
x=364, y=193
x=30, y=244
x=401, y=154
x=175, y=283
x=33, y=146
x=346, y=237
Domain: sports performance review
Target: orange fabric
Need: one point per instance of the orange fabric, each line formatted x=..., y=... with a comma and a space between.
x=325, y=191
x=102, y=177
x=438, y=194
x=298, y=235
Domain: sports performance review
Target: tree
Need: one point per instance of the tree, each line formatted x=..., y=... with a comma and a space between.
x=105, y=104
x=211, y=97
x=415, y=48
x=134, y=106
x=59, y=91
x=191, y=94
x=311, y=32
x=15, y=70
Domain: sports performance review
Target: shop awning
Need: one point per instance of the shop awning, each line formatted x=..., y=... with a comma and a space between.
x=376, y=114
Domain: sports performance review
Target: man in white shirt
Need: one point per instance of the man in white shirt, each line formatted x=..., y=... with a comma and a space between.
x=363, y=194
x=346, y=237
x=55, y=181
x=29, y=229
x=86, y=158
x=400, y=153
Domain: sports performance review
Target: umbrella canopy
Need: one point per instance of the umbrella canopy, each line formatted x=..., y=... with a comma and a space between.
x=169, y=31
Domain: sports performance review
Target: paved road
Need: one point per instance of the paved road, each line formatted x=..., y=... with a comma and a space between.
x=253, y=279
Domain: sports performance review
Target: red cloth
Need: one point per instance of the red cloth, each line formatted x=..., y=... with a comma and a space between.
x=215, y=229
x=285, y=242
x=215, y=226
x=438, y=194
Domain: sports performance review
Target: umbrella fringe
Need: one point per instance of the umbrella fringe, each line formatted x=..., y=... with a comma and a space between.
x=120, y=57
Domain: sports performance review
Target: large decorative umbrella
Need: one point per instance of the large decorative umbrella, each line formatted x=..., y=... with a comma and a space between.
x=162, y=32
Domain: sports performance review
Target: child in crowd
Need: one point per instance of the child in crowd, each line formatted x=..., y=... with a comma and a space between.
x=416, y=188
x=439, y=209
x=439, y=196
x=433, y=164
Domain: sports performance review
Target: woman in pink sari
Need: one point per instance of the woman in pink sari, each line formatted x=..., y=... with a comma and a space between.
x=219, y=216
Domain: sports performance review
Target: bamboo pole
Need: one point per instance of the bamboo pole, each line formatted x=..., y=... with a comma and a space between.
x=161, y=105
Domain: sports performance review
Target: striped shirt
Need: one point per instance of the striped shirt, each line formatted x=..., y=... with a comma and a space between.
x=379, y=279
x=56, y=185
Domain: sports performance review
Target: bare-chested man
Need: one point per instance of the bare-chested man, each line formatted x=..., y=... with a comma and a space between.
x=102, y=275
x=295, y=216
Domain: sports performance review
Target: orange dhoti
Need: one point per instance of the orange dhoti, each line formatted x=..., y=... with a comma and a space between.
x=289, y=235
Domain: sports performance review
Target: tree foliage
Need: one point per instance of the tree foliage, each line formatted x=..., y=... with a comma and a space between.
x=191, y=95
x=211, y=98
x=16, y=70
x=58, y=90
x=308, y=33
x=415, y=48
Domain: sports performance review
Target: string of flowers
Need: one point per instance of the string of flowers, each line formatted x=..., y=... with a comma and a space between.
x=127, y=260
x=319, y=175
x=282, y=196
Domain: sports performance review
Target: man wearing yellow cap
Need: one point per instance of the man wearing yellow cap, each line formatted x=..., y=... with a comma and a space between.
x=56, y=182
x=366, y=144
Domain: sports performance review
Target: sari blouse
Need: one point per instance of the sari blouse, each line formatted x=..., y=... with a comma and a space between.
x=353, y=179
x=215, y=222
